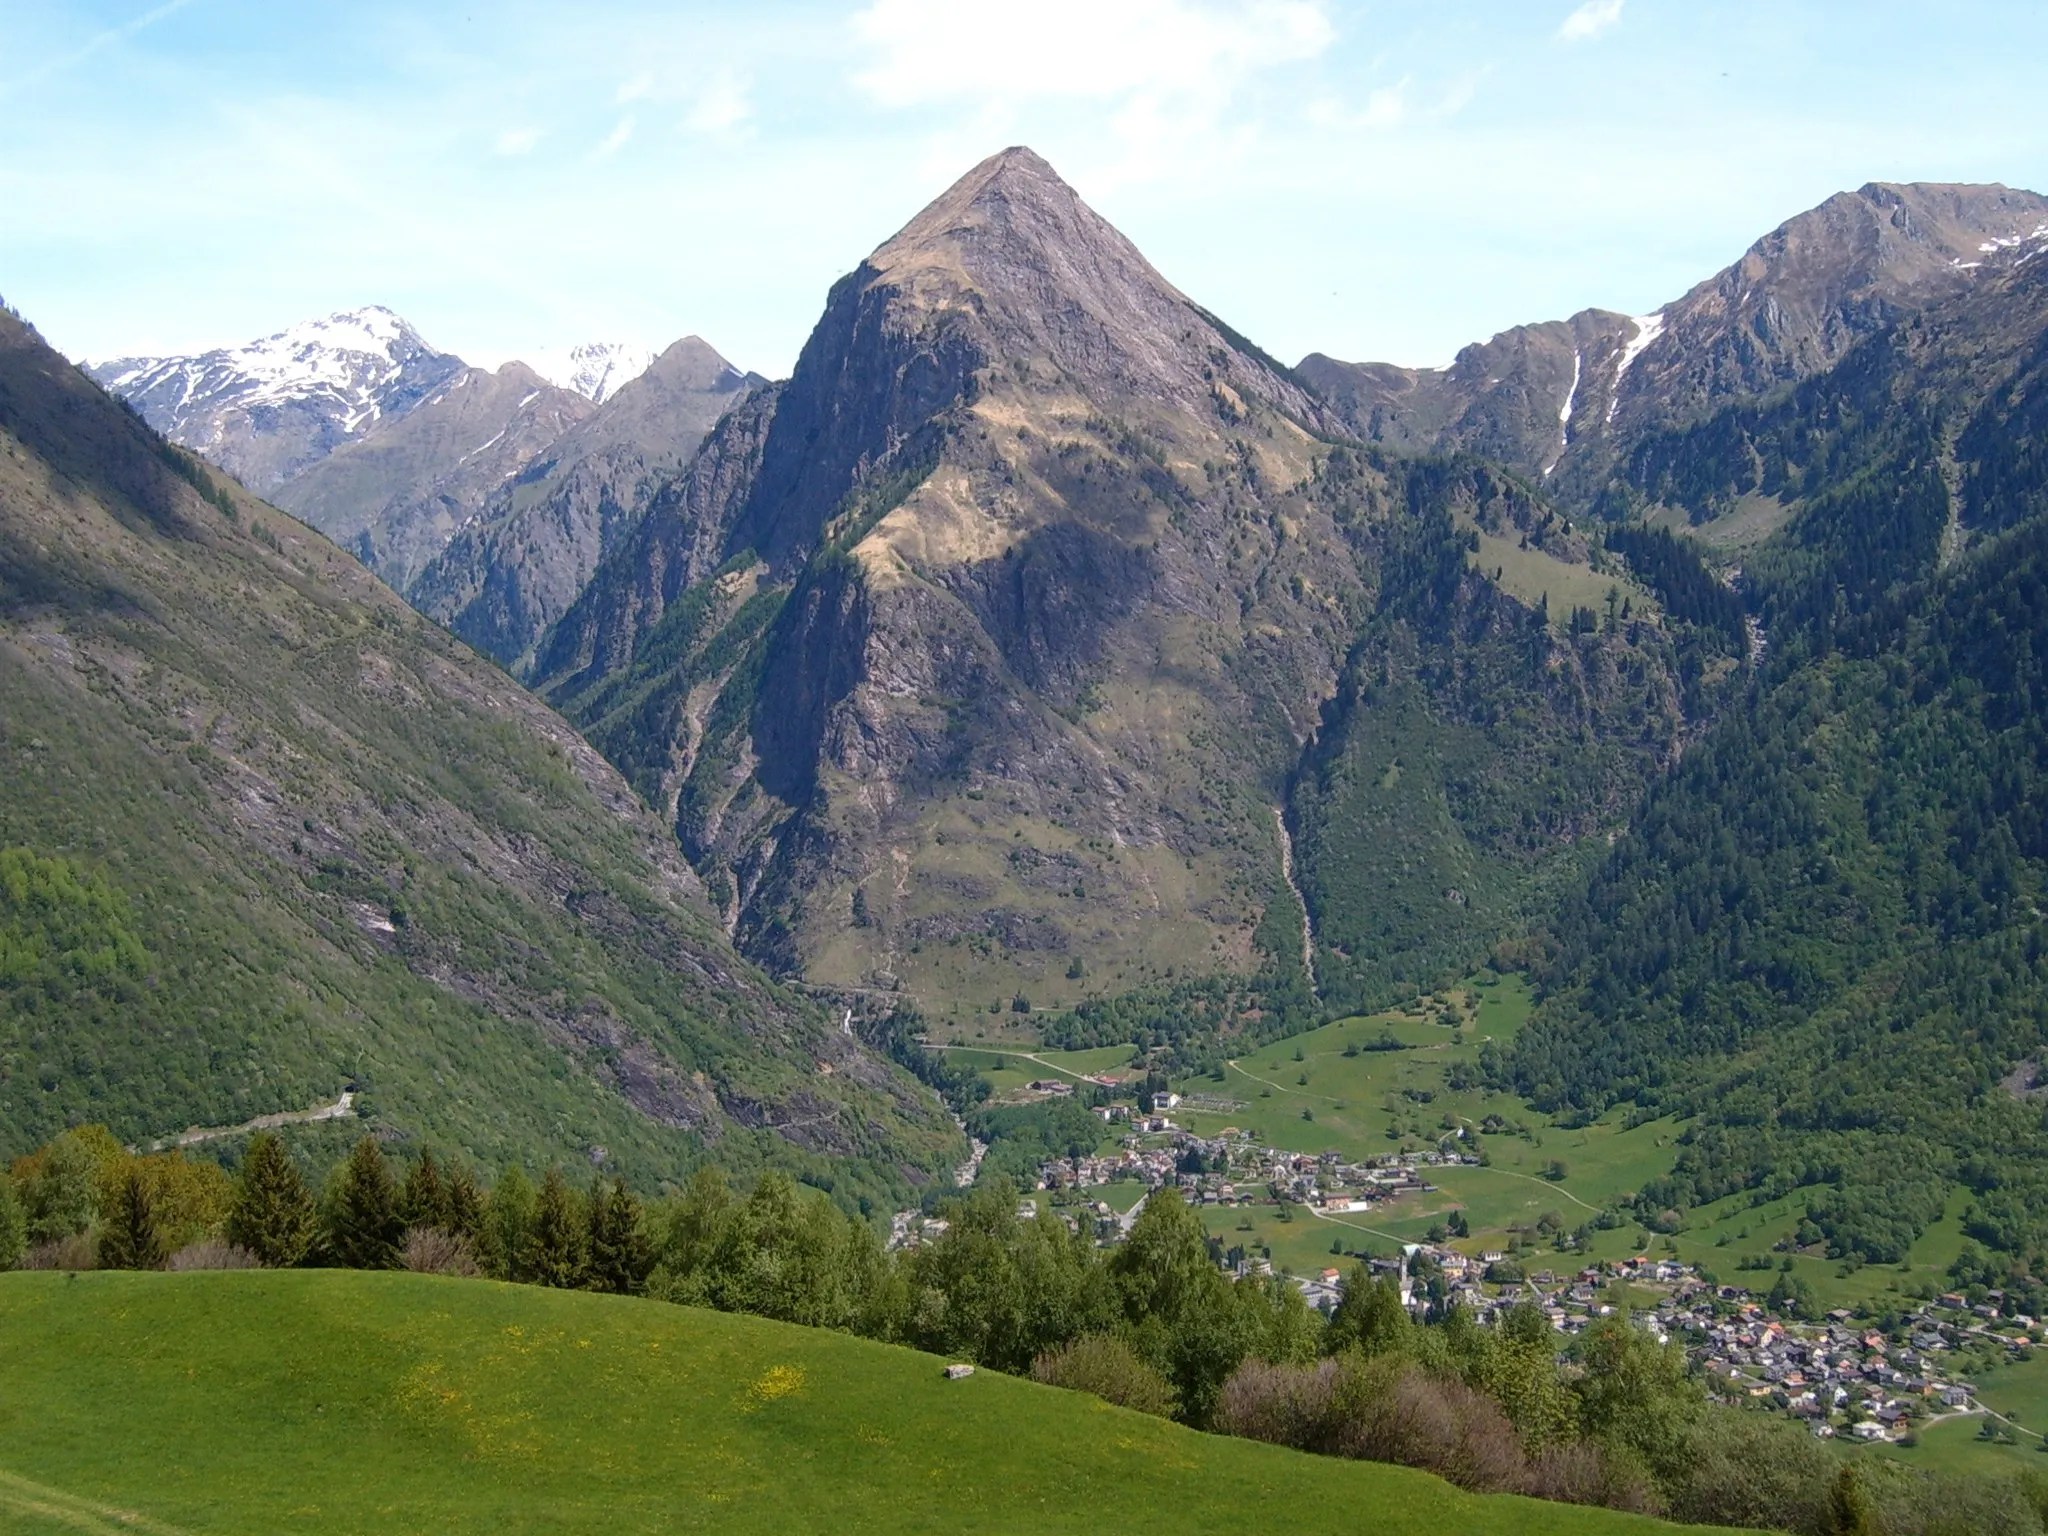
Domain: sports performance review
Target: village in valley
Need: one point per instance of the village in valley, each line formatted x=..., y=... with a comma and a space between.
x=1870, y=1373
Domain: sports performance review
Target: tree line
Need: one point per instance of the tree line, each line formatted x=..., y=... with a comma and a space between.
x=1153, y=1323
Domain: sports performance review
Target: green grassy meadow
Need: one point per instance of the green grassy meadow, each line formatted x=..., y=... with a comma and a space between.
x=212, y=1404
x=1009, y=1068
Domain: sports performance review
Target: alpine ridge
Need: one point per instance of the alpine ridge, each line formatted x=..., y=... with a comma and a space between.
x=1563, y=400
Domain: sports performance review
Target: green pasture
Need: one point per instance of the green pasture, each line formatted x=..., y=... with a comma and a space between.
x=231, y=1404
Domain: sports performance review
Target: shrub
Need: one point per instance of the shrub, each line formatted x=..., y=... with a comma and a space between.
x=1440, y=1426
x=213, y=1253
x=1583, y=1472
x=431, y=1251
x=1105, y=1365
x=73, y=1252
x=1280, y=1404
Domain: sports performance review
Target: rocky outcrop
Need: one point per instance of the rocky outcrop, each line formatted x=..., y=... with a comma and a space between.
x=975, y=657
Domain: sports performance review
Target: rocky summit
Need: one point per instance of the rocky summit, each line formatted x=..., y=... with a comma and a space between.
x=519, y=560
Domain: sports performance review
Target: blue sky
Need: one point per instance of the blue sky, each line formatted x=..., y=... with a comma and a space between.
x=1372, y=180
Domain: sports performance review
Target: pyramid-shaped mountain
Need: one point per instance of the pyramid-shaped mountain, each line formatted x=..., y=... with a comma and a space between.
x=979, y=658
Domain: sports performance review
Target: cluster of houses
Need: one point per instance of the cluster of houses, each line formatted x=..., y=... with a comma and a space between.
x=1837, y=1376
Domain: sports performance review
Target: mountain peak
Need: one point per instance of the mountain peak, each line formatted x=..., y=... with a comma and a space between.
x=1011, y=217
x=268, y=408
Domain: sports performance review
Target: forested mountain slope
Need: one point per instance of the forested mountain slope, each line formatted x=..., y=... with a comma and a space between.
x=1823, y=933
x=267, y=833
x=980, y=657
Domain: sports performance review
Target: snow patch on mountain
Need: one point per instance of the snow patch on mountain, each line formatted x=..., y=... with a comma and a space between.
x=1564, y=415
x=1648, y=329
x=596, y=370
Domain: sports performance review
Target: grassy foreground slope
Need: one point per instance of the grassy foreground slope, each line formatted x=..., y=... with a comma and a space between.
x=268, y=1401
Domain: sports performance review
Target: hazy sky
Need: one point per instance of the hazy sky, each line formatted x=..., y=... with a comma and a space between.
x=1371, y=180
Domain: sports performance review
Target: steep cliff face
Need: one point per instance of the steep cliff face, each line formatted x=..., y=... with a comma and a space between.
x=680, y=540
x=523, y=558
x=990, y=677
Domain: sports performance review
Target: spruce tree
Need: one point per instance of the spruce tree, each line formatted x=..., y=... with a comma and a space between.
x=424, y=1200
x=465, y=1205
x=619, y=1255
x=363, y=1227
x=272, y=1214
x=130, y=1239
x=560, y=1242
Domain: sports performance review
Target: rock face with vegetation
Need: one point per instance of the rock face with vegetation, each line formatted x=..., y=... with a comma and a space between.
x=979, y=657
x=267, y=833
x=525, y=555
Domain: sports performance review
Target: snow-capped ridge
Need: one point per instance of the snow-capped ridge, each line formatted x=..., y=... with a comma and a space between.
x=596, y=370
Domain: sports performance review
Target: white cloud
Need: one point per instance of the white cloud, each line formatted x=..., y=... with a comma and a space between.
x=1590, y=20
x=518, y=141
x=1399, y=105
x=722, y=108
x=633, y=89
x=1385, y=108
x=615, y=140
x=927, y=52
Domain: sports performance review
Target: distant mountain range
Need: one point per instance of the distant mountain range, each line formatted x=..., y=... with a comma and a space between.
x=1563, y=399
x=391, y=447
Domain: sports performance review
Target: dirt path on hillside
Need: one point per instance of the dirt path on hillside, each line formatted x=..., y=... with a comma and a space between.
x=60, y=1508
x=335, y=1111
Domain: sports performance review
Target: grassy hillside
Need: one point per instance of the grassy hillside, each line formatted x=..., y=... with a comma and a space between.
x=368, y=1403
x=267, y=833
